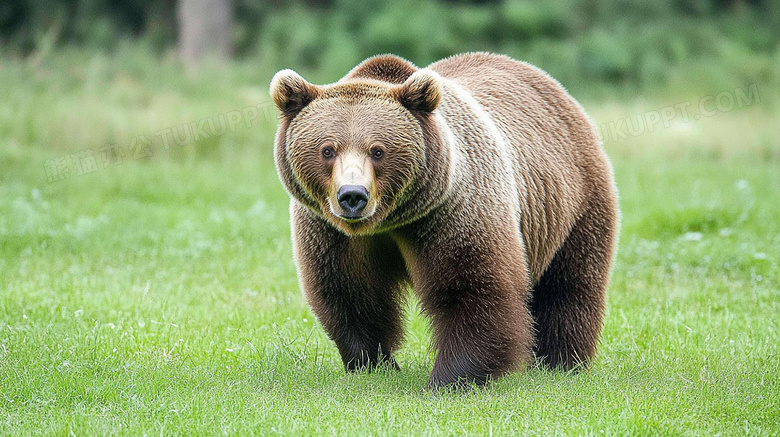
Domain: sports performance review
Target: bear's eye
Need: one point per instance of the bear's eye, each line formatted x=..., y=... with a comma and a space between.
x=378, y=153
x=328, y=152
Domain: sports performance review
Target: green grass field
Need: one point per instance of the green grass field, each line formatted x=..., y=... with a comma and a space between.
x=157, y=295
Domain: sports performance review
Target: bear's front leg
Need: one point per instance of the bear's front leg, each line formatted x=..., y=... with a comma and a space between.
x=353, y=285
x=471, y=279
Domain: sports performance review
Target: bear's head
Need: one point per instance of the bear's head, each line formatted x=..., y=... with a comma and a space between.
x=355, y=151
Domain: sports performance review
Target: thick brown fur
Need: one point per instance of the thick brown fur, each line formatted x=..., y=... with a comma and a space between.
x=487, y=191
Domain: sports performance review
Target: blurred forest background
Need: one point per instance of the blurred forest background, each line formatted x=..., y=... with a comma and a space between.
x=636, y=45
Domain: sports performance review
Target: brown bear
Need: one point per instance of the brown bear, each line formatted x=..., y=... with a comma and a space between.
x=479, y=181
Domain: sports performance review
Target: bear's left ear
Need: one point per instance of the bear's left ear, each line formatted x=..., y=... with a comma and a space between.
x=291, y=93
x=421, y=91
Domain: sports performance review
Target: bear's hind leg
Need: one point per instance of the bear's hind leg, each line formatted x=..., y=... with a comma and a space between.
x=568, y=302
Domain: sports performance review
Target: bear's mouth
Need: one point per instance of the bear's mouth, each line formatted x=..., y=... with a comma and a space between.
x=352, y=219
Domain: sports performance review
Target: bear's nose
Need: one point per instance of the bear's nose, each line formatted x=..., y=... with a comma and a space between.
x=353, y=198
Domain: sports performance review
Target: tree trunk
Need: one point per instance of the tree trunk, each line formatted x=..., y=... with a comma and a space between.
x=204, y=29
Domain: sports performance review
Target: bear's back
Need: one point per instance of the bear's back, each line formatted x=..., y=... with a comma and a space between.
x=531, y=108
x=556, y=154
x=385, y=68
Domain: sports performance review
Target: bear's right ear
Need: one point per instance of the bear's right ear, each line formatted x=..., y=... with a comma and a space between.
x=291, y=93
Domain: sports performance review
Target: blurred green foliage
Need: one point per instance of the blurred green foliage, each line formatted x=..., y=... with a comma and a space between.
x=584, y=43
